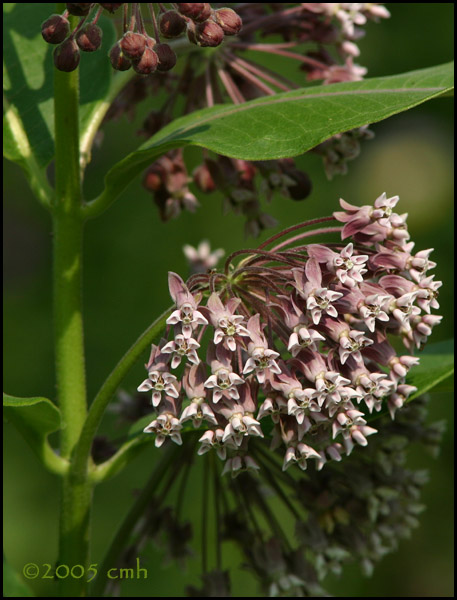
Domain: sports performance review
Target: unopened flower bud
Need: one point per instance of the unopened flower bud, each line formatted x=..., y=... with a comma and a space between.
x=203, y=179
x=118, y=59
x=208, y=34
x=78, y=9
x=154, y=178
x=191, y=9
x=89, y=38
x=228, y=20
x=204, y=14
x=167, y=57
x=147, y=63
x=172, y=24
x=55, y=29
x=112, y=7
x=133, y=45
x=66, y=56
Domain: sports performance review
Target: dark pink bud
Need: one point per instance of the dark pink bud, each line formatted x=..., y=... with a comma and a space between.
x=66, y=56
x=167, y=57
x=118, y=59
x=228, y=20
x=133, y=45
x=89, y=38
x=204, y=14
x=78, y=9
x=147, y=63
x=191, y=9
x=55, y=29
x=154, y=178
x=208, y=34
x=172, y=24
x=203, y=179
x=112, y=7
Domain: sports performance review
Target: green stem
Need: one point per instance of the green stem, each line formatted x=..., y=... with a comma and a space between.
x=68, y=325
x=106, y=392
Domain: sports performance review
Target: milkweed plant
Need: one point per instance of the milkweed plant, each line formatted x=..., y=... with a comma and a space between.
x=284, y=374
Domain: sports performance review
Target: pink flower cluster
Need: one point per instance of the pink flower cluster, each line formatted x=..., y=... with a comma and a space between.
x=300, y=338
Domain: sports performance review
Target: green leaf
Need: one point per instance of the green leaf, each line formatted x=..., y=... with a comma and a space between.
x=283, y=125
x=28, y=121
x=36, y=418
x=13, y=586
x=435, y=367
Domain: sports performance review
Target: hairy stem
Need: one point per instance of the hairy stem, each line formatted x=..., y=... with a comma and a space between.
x=68, y=324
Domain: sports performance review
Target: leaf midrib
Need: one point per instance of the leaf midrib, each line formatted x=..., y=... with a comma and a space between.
x=306, y=96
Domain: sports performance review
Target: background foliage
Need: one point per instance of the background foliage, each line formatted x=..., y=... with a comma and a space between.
x=128, y=254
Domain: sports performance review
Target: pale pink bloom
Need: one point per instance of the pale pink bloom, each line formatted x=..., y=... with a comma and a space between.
x=299, y=454
x=238, y=464
x=223, y=382
x=240, y=425
x=303, y=338
x=166, y=425
x=159, y=382
x=397, y=399
x=427, y=292
x=373, y=308
x=421, y=328
x=340, y=73
x=351, y=342
x=419, y=264
x=201, y=258
x=383, y=209
x=186, y=312
x=304, y=410
x=198, y=410
x=333, y=388
x=228, y=326
x=348, y=267
x=333, y=451
x=319, y=300
x=212, y=439
x=400, y=365
x=274, y=405
x=182, y=347
x=261, y=358
x=350, y=48
x=353, y=427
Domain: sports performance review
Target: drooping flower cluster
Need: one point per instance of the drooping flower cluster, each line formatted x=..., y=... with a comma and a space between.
x=356, y=511
x=300, y=341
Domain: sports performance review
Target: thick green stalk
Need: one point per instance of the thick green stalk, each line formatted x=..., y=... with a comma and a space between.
x=68, y=325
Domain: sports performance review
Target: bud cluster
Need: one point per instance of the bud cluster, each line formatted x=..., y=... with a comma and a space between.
x=313, y=35
x=146, y=54
x=299, y=341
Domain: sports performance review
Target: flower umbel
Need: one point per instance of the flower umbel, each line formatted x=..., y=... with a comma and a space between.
x=297, y=332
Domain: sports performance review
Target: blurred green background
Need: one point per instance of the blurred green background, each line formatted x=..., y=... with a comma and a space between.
x=127, y=255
